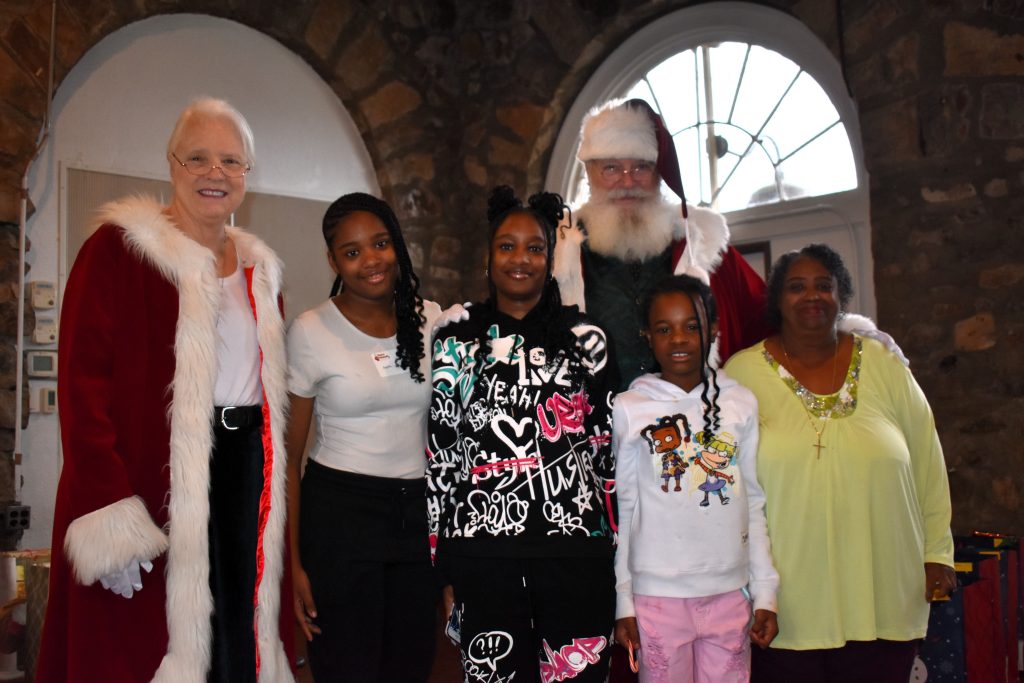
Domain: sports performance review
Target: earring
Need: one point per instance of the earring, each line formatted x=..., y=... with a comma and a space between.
x=487, y=272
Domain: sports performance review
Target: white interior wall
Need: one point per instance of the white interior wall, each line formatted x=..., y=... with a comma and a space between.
x=114, y=113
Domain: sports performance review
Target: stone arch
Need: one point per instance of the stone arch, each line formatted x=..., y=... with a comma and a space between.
x=593, y=53
x=330, y=37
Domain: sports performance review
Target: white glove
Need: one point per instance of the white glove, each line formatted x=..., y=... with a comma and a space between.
x=452, y=314
x=128, y=580
x=858, y=324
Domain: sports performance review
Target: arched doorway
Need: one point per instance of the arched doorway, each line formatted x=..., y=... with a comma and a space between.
x=112, y=116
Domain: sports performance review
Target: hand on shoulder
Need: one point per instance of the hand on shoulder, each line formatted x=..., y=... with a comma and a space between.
x=453, y=314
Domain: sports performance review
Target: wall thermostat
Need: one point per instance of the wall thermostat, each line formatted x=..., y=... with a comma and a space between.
x=45, y=331
x=42, y=294
x=41, y=364
x=47, y=400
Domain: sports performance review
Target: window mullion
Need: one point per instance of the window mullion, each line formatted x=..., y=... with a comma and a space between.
x=778, y=103
x=710, y=144
x=739, y=84
x=809, y=141
x=700, y=158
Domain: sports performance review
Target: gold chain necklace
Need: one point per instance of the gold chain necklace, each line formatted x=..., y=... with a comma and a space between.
x=817, y=427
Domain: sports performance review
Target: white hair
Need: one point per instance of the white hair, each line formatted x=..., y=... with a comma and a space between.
x=214, y=108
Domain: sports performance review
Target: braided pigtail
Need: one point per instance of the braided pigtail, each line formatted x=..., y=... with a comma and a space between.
x=703, y=303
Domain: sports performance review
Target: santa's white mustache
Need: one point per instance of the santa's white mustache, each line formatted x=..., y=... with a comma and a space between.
x=629, y=193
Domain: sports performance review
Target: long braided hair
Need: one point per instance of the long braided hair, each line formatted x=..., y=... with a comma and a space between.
x=559, y=341
x=408, y=302
x=702, y=301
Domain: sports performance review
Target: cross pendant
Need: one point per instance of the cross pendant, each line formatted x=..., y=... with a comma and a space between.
x=818, y=445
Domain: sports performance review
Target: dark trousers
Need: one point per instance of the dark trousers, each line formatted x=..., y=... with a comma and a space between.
x=541, y=619
x=363, y=542
x=877, y=661
x=236, y=482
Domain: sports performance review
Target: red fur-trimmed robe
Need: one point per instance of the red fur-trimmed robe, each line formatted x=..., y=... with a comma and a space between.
x=137, y=366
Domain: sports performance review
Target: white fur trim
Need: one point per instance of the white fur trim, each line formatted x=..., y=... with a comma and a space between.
x=192, y=269
x=855, y=322
x=109, y=539
x=715, y=353
x=707, y=239
x=567, y=269
x=615, y=131
x=687, y=263
x=274, y=666
x=266, y=284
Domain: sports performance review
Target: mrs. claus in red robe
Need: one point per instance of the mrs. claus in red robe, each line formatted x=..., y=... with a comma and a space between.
x=138, y=370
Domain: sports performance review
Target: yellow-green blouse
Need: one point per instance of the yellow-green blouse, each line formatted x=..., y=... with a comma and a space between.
x=850, y=531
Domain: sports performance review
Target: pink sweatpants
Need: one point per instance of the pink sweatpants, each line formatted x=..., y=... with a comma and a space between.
x=694, y=640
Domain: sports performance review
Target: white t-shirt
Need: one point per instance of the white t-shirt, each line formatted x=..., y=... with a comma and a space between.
x=371, y=416
x=238, y=348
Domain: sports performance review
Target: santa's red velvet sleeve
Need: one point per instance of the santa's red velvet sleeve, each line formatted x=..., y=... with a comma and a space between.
x=740, y=294
x=111, y=525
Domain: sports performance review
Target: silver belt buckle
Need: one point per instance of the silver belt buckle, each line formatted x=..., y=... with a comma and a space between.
x=223, y=413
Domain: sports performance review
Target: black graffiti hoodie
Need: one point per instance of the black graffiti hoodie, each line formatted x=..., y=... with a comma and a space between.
x=519, y=452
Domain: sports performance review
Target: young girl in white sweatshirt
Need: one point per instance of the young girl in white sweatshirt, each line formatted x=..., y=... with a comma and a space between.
x=693, y=543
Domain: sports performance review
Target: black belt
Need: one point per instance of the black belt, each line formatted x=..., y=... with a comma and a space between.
x=233, y=418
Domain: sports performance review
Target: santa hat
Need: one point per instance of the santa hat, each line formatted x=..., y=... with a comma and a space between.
x=631, y=129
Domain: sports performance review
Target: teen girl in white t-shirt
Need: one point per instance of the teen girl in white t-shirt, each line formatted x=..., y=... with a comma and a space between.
x=365, y=592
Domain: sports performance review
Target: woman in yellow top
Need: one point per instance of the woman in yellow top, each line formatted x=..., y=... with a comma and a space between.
x=857, y=496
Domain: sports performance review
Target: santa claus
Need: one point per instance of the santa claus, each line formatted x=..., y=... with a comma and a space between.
x=628, y=236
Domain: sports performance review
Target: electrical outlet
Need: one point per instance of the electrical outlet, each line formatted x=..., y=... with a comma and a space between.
x=15, y=517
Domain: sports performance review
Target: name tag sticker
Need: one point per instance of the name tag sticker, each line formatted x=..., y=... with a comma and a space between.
x=386, y=363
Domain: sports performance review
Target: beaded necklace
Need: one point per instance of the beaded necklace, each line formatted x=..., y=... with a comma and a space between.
x=817, y=427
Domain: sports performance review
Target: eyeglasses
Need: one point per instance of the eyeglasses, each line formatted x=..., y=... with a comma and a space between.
x=640, y=172
x=198, y=165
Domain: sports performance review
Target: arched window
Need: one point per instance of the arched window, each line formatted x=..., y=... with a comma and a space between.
x=764, y=129
x=750, y=124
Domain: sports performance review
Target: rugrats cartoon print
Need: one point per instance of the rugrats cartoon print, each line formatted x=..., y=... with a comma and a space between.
x=674, y=448
x=715, y=454
x=668, y=437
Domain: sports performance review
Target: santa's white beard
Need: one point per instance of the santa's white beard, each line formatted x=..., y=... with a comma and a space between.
x=632, y=233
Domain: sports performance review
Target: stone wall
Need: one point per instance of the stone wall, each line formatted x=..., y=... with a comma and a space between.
x=452, y=98
x=941, y=95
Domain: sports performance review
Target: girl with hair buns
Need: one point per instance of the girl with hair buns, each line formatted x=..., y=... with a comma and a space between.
x=520, y=472
x=365, y=591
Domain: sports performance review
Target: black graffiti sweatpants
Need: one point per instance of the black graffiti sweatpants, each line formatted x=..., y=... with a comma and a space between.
x=543, y=619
